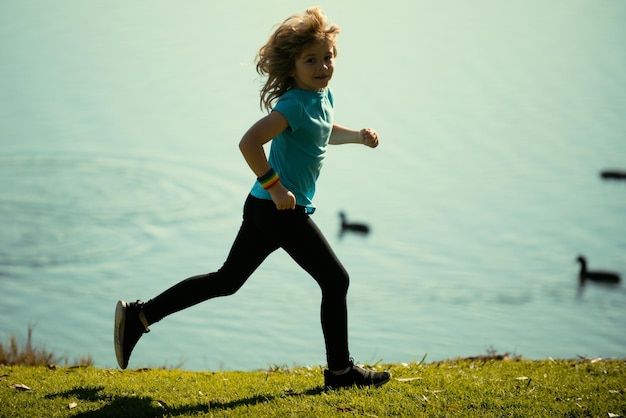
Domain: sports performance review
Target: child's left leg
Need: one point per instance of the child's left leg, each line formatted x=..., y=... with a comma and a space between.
x=304, y=242
x=308, y=247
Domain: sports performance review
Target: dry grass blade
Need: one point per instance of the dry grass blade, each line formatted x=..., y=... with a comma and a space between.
x=20, y=386
x=408, y=379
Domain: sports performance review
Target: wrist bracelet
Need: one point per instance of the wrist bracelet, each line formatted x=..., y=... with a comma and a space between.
x=268, y=179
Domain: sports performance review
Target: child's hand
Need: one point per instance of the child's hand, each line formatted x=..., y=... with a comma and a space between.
x=369, y=137
x=282, y=198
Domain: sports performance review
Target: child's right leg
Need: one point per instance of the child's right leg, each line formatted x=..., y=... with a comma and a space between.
x=132, y=319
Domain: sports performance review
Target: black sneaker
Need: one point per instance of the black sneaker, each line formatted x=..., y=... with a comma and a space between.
x=357, y=376
x=128, y=330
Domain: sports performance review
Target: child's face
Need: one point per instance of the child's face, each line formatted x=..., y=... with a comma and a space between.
x=315, y=66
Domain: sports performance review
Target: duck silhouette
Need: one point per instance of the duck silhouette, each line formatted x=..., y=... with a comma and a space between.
x=351, y=226
x=606, y=277
x=613, y=174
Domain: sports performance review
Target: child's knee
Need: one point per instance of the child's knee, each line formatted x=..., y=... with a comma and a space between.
x=340, y=282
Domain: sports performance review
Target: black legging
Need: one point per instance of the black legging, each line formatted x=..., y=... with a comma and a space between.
x=265, y=229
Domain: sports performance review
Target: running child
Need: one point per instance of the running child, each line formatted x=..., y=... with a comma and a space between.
x=298, y=61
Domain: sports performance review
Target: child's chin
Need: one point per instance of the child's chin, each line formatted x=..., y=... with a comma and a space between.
x=323, y=83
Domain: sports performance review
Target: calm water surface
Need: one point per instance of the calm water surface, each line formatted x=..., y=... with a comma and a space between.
x=120, y=175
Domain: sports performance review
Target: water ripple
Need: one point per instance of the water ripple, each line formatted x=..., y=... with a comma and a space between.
x=62, y=210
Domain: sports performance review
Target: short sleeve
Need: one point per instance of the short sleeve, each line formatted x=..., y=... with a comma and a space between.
x=291, y=108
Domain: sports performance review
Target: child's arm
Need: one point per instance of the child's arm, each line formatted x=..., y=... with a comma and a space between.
x=343, y=135
x=251, y=146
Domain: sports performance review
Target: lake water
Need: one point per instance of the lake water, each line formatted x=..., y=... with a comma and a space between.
x=120, y=175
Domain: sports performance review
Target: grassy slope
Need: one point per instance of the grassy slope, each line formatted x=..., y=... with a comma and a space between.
x=473, y=388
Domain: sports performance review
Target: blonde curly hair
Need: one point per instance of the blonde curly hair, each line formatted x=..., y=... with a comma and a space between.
x=276, y=59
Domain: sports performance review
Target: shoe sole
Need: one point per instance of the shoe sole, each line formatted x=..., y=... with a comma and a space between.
x=376, y=385
x=118, y=332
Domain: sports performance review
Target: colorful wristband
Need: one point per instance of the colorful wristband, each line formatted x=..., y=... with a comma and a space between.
x=268, y=179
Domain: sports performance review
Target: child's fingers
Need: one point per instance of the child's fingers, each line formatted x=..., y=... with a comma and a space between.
x=369, y=137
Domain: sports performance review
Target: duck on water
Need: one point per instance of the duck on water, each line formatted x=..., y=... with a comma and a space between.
x=352, y=226
x=607, y=277
x=613, y=174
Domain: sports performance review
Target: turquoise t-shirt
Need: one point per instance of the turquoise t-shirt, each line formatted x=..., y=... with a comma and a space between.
x=298, y=152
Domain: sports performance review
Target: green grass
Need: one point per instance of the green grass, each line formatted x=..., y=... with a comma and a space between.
x=480, y=387
x=31, y=385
